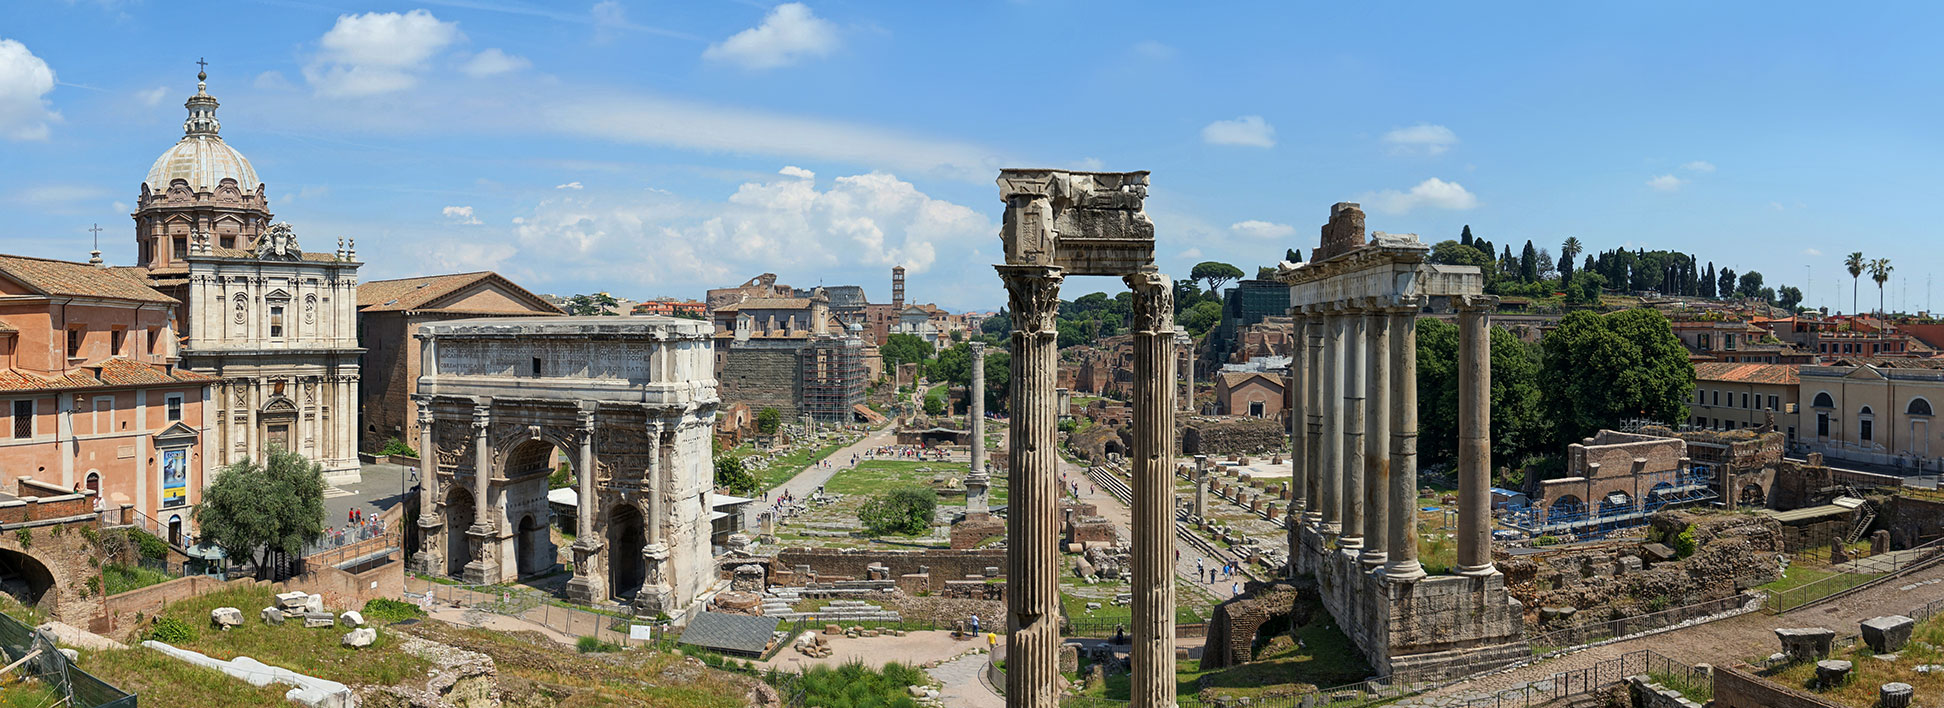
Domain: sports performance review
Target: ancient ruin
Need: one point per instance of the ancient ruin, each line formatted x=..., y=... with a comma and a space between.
x=1060, y=223
x=1355, y=304
x=627, y=401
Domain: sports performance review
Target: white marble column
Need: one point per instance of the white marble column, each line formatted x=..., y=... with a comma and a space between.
x=1403, y=537
x=1475, y=441
x=1152, y=656
x=1377, y=460
x=430, y=554
x=1033, y=519
x=482, y=569
x=1353, y=431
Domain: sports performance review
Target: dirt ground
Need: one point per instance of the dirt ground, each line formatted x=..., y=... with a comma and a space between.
x=915, y=648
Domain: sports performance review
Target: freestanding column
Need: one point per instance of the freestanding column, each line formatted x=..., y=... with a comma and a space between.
x=1332, y=432
x=656, y=594
x=1353, y=431
x=1313, y=460
x=1298, y=432
x=977, y=482
x=1377, y=461
x=480, y=569
x=1185, y=349
x=589, y=583
x=1152, y=656
x=1474, y=441
x=1033, y=521
x=1403, y=538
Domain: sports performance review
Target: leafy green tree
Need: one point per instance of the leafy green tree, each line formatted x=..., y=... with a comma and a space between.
x=1217, y=274
x=1725, y=284
x=1529, y=263
x=1293, y=255
x=1265, y=273
x=256, y=509
x=1707, y=282
x=905, y=349
x=1789, y=297
x=999, y=325
x=1749, y=285
x=1519, y=427
x=1202, y=318
x=954, y=365
x=935, y=401
x=905, y=510
x=1465, y=237
x=768, y=420
x=1187, y=295
x=733, y=477
x=1455, y=253
x=594, y=304
x=1600, y=370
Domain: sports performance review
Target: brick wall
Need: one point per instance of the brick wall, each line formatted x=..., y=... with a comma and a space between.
x=944, y=564
x=384, y=383
x=1913, y=522
x=761, y=375
x=1736, y=688
x=128, y=611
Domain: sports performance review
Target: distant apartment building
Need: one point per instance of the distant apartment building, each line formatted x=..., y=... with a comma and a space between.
x=1873, y=409
x=670, y=307
x=92, y=393
x=1733, y=396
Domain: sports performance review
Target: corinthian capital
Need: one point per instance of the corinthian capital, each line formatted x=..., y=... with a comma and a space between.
x=1153, y=303
x=1033, y=292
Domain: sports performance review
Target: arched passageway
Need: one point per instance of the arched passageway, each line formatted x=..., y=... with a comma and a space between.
x=459, y=517
x=533, y=547
x=24, y=577
x=625, y=538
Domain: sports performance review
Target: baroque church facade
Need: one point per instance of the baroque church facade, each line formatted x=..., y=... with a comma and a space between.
x=275, y=323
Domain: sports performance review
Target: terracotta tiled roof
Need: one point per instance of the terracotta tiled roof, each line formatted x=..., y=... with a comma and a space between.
x=67, y=278
x=108, y=373
x=1232, y=379
x=1784, y=374
x=415, y=293
x=1884, y=362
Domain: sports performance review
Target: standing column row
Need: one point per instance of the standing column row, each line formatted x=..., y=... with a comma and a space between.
x=1377, y=459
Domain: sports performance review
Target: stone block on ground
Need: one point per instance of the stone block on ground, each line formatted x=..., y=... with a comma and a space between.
x=272, y=615
x=226, y=617
x=1832, y=672
x=1069, y=659
x=314, y=603
x=1887, y=634
x=351, y=618
x=318, y=620
x=360, y=637
x=1806, y=643
x=292, y=600
x=1895, y=695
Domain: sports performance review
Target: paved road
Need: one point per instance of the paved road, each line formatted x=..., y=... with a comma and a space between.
x=815, y=475
x=1112, y=509
x=1727, y=641
x=962, y=685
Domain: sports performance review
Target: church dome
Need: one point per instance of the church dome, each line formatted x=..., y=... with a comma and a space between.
x=201, y=158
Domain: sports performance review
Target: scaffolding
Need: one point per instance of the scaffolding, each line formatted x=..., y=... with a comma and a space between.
x=1570, y=515
x=832, y=378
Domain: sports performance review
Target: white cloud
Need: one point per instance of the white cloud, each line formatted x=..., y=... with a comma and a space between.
x=790, y=33
x=493, y=61
x=1432, y=193
x=1250, y=131
x=152, y=97
x=461, y=215
x=785, y=223
x=1262, y=229
x=1699, y=166
x=569, y=185
x=1666, y=183
x=271, y=81
x=376, y=52
x=1811, y=252
x=25, y=80
x=1421, y=139
x=1189, y=254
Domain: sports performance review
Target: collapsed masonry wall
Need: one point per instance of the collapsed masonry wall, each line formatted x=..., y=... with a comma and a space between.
x=943, y=564
x=1233, y=628
x=763, y=375
x=1230, y=435
x=1614, y=580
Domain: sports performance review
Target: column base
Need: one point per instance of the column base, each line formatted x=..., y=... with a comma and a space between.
x=428, y=563
x=586, y=588
x=1350, y=543
x=480, y=572
x=1372, y=560
x=1404, y=571
x=1478, y=571
x=654, y=600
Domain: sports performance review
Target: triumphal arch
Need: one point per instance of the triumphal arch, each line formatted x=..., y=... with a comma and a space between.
x=1354, y=308
x=626, y=402
x=1061, y=223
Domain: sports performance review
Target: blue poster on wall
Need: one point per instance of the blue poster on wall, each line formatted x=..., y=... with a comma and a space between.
x=175, y=478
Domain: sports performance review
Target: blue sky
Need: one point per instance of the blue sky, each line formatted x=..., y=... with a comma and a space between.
x=660, y=148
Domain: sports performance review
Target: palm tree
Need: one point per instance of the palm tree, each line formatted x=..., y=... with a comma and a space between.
x=1880, y=272
x=1571, y=248
x=1855, y=264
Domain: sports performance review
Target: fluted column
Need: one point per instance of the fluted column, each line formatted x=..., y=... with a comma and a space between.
x=1298, y=432
x=1185, y=352
x=1032, y=521
x=655, y=594
x=589, y=583
x=1353, y=431
x=1331, y=433
x=1377, y=461
x=1474, y=440
x=1152, y=656
x=430, y=552
x=1314, y=372
x=1402, y=539
x=977, y=482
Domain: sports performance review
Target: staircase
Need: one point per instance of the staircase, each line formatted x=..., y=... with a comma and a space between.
x=1866, y=514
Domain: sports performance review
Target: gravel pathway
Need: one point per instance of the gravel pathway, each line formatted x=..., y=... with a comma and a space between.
x=962, y=684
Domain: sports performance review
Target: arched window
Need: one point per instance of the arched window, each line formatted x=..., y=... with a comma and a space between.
x=1823, y=400
x=1918, y=406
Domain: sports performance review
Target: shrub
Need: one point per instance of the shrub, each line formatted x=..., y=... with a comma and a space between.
x=25, y=536
x=1546, y=540
x=906, y=510
x=731, y=475
x=385, y=610
x=148, y=544
x=396, y=446
x=1684, y=542
x=591, y=645
x=171, y=631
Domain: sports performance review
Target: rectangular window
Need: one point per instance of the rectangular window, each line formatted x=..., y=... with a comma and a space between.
x=1822, y=425
x=118, y=337
x=1744, y=400
x=104, y=415
x=23, y=419
x=1863, y=431
x=74, y=343
x=536, y=367
x=1773, y=405
x=1717, y=398
x=155, y=342
x=175, y=407
x=276, y=321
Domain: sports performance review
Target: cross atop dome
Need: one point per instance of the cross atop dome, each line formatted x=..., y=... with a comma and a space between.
x=202, y=106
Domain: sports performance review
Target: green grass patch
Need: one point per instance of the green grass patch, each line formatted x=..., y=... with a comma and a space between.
x=29, y=694
x=160, y=680
x=317, y=652
x=1695, y=689
x=781, y=469
x=1076, y=609
x=854, y=685
x=123, y=578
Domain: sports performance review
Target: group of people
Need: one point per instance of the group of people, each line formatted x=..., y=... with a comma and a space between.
x=357, y=527
x=1226, y=571
x=905, y=452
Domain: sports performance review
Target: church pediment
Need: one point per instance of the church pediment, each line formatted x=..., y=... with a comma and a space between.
x=1865, y=373
x=279, y=404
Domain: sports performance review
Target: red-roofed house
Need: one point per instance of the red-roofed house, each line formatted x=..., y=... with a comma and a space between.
x=1731, y=396
x=91, y=392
